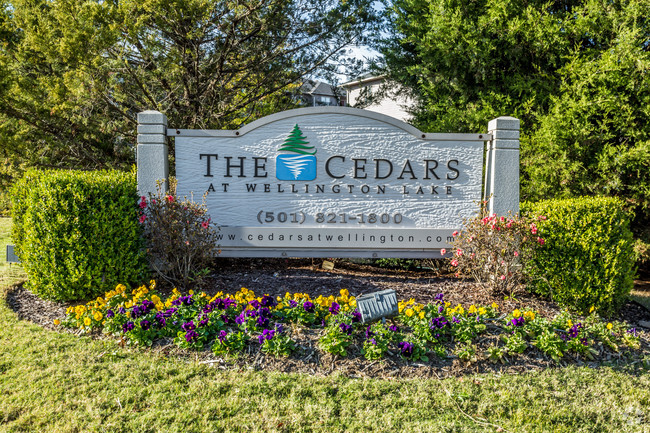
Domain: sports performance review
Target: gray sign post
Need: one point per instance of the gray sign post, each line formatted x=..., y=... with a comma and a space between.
x=502, y=166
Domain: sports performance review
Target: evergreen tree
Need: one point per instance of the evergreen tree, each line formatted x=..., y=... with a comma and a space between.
x=574, y=71
x=74, y=73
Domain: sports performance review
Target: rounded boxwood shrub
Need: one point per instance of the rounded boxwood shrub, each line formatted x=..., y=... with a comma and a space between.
x=588, y=255
x=77, y=232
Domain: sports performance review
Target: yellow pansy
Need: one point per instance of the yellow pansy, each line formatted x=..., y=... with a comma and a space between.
x=98, y=316
x=155, y=299
x=409, y=312
x=472, y=309
x=516, y=314
x=87, y=321
x=57, y=322
x=609, y=325
x=591, y=310
x=159, y=306
x=482, y=310
x=191, y=292
x=495, y=305
x=529, y=315
x=345, y=293
x=421, y=314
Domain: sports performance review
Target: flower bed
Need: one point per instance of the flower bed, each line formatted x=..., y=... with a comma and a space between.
x=229, y=324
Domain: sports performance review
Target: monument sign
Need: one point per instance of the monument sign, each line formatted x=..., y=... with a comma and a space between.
x=329, y=181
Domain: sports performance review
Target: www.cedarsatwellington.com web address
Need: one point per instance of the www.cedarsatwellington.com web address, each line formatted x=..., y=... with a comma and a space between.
x=334, y=238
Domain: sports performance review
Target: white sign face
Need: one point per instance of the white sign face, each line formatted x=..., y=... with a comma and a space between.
x=331, y=182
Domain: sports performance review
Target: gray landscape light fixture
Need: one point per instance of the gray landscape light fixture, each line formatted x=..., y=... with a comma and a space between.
x=378, y=305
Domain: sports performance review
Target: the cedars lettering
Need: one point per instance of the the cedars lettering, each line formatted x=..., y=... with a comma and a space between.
x=338, y=167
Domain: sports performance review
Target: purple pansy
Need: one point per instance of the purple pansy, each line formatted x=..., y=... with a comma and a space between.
x=308, y=306
x=268, y=301
x=128, y=326
x=188, y=326
x=345, y=328
x=406, y=348
x=191, y=336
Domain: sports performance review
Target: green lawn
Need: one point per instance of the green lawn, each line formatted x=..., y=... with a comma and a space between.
x=58, y=382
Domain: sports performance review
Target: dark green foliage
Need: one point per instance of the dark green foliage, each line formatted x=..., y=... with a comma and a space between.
x=77, y=233
x=587, y=259
x=575, y=72
x=406, y=264
x=73, y=74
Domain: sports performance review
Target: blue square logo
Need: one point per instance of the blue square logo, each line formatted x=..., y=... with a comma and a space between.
x=295, y=167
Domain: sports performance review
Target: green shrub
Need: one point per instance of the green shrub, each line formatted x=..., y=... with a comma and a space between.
x=77, y=233
x=588, y=257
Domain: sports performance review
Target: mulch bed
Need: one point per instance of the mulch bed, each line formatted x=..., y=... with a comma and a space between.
x=277, y=276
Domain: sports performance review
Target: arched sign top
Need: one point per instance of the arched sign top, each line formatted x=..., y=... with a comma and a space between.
x=314, y=111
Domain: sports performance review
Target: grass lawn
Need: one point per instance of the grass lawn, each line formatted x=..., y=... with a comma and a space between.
x=58, y=382
x=641, y=293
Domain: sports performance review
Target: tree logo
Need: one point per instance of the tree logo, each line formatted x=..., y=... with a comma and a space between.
x=300, y=164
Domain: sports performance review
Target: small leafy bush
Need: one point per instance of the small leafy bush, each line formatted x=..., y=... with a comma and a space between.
x=413, y=350
x=588, y=258
x=276, y=342
x=229, y=343
x=493, y=250
x=77, y=232
x=378, y=339
x=180, y=236
x=336, y=338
